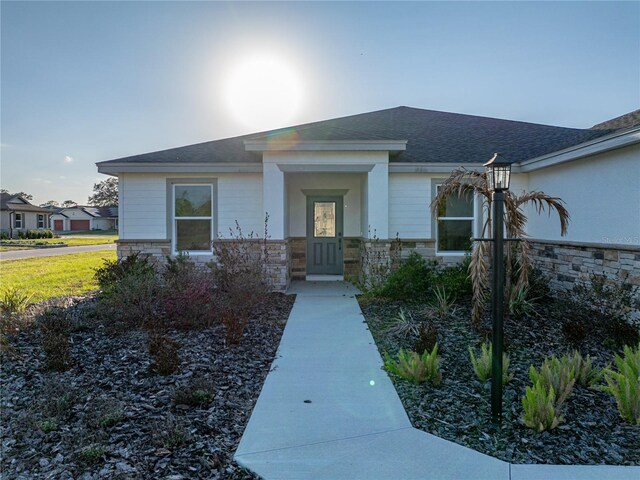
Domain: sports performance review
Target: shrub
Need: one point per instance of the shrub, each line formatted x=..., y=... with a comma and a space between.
x=539, y=404
x=198, y=392
x=14, y=301
x=555, y=374
x=620, y=333
x=403, y=325
x=240, y=276
x=48, y=425
x=410, y=281
x=624, y=384
x=55, y=326
x=455, y=279
x=376, y=265
x=188, y=294
x=520, y=303
x=586, y=373
x=482, y=364
x=170, y=433
x=36, y=234
x=92, y=454
x=4, y=236
x=56, y=400
x=416, y=368
x=112, y=271
x=427, y=338
x=164, y=353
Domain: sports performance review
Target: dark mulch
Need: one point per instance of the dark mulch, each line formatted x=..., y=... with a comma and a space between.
x=111, y=417
x=459, y=410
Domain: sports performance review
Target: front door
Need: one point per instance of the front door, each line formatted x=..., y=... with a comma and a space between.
x=324, y=235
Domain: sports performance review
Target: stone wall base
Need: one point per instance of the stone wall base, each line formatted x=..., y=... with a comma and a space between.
x=568, y=263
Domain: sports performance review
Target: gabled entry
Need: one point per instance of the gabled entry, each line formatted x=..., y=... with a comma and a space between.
x=324, y=235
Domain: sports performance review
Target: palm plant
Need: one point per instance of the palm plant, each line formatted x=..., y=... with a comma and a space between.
x=460, y=183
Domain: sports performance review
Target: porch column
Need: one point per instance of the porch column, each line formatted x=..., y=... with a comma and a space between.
x=273, y=195
x=378, y=201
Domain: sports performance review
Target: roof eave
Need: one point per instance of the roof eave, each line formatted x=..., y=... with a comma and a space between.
x=115, y=168
x=325, y=145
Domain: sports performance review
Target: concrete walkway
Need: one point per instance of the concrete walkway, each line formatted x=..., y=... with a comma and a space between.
x=327, y=410
x=50, y=252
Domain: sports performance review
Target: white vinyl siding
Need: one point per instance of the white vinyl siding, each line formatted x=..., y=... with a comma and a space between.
x=409, y=205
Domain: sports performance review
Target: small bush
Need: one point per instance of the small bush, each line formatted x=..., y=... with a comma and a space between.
x=427, y=338
x=621, y=333
x=624, y=384
x=188, y=299
x=49, y=425
x=575, y=331
x=482, y=364
x=586, y=373
x=198, y=392
x=412, y=280
x=557, y=375
x=403, y=325
x=164, y=353
x=14, y=300
x=521, y=304
x=241, y=279
x=92, y=454
x=416, y=368
x=55, y=326
x=455, y=279
x=106, y=413
x=112, y=271
x=539, y=404
x=56, y=400
x=170, y=433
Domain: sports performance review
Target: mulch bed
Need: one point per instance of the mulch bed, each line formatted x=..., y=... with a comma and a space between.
x=459, y=410
x=111, y=417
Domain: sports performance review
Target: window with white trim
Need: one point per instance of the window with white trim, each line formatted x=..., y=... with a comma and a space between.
x=192, y=218
x=17, y=220
x=454, y=225
x=40, y=220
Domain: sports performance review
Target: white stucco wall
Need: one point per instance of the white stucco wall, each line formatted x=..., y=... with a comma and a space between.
x=297, y=202
x=602, y=195
x=143, y=203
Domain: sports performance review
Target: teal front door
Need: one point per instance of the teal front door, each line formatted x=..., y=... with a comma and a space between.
x=324, y=235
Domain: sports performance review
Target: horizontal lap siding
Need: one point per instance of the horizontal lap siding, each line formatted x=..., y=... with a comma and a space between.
x=409, y=200
x=144, y=212
x=240, y=198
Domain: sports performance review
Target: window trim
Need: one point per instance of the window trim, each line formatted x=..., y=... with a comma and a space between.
x=40, y=220
x=174, y=219
x=16, y=219
x=473, y=219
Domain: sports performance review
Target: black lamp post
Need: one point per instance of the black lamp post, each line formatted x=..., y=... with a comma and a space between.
x=498, y=177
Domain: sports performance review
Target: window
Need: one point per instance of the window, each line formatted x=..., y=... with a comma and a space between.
x=192, y=218
x=454, y=225
x=324, y=214
x=17, y=222
x=40, y=220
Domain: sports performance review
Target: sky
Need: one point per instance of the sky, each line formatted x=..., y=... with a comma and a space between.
x=83, y=82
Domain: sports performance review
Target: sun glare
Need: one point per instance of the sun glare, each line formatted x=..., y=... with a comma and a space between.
x=263, y=91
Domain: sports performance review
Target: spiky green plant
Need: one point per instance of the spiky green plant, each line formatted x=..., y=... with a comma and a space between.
x=482, y=363
x=14, y=300
x=443, y=302
x=415, y=368
x=540, y=411
x=586, y=374
x=557, y=375
x=624, y=384
x=403, y=325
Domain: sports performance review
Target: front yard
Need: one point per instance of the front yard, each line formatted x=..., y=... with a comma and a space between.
x=71, y=240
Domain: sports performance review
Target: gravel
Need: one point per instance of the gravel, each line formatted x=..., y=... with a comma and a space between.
x=111, y=417
x=459, y=410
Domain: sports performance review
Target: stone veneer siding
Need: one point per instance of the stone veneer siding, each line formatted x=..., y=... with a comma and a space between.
x=158, y=250
x=566, y=263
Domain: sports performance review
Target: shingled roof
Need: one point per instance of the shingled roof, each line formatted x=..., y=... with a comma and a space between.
x=7, y=204
x=628, y=120
x=432, y=136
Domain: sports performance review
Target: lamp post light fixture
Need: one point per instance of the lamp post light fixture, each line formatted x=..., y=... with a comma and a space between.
x=498, y=178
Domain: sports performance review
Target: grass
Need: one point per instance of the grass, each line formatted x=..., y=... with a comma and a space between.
x=74, y=240
x=55, y=276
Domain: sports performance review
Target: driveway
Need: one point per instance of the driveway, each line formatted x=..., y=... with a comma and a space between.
x=50, y=252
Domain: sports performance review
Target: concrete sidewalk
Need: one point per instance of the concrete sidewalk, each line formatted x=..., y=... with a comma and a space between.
x=327, y=410
x=51, y=252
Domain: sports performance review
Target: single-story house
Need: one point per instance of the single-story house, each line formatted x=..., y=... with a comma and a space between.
x=331, y=185
x=17, y=213
x=81, y=218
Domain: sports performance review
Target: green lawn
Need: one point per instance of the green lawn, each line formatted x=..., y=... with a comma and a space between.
x=68, y=240
x=56, y=276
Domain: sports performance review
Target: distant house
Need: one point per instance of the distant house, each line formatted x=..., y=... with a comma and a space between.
x=82, y=218
x=16, y=214
x=331, y=186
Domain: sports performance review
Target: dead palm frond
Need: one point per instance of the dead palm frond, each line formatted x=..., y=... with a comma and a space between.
x=460, y=183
